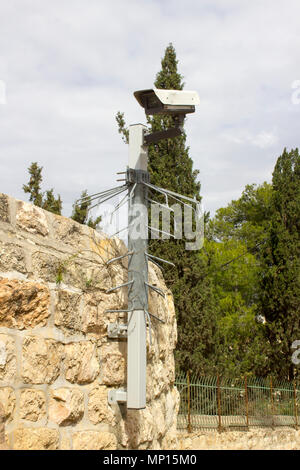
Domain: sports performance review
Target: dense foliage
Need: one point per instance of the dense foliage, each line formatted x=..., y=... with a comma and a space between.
x=280, y=272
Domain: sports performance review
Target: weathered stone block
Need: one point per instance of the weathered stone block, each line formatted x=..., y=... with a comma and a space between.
x=81, y=362
x=98, y=409
x=113, y=363
x=65, y=440
x=94, y=317
x=23, y=304
x=67, y=311
x=70, y=232
x=3, y=437
x=103, y=248
x=172, y=408
x=36, y=439
x=31, y=218
x=32, y=404
x=72, y=273
x=94, y=440
x=66, y=406
x=8, y=361
x=4, y=208
x=41, y=360
x=7, y=401
x=45, y=266
x=158, y=377
x=139, y=428
x=12, y=258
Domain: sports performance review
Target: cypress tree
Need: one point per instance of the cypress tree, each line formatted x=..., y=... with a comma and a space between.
x=81, y=211
x=51, y=203
x=33, y=187
x=45, y=200
x=171, y=167
x=280, y=280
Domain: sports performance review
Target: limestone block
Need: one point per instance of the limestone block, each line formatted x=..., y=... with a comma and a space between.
x=98, y=409
x=41, y=360
x=31, y=218
x=94, y=318
x=94, y=440
x=12, y=258
x=103, y=248
x=45, y=266
x=170, y=441
x=23, y=304
x=172, y=408
x=66, y=406
x=81, y=362
x=158, y=380
x=32, y=404
x=4, y=209
x=113, y=363
x=74, y=273
x=7, y=401
x=70, y=232
x=65, y=440
x=8, y=362
x=36, y=439
x=67, y=311
x=139, y=427
x=3, y=440
x=94, y=276
x=158, y=412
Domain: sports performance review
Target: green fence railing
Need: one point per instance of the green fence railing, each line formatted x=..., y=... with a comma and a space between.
x=216, y=402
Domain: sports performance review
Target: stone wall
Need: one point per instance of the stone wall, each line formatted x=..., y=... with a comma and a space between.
x=56, y=361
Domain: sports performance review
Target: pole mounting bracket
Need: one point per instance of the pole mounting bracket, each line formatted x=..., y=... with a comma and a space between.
x=117, y=396
x=137, y=176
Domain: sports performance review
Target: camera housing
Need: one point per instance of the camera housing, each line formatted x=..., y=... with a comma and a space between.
x=172, y=102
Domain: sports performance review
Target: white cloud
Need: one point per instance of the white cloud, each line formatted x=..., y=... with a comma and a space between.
x=262, y=140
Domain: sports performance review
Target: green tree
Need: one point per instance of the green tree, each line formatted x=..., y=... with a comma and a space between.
x=246, y=219
x=81, y=211
x=280, y=277
x=51, y=203
x=235, y=291
x=234, y=241
x=171, y=167
x=33, y=187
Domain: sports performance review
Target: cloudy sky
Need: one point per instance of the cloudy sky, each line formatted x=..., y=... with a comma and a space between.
x=69, y=65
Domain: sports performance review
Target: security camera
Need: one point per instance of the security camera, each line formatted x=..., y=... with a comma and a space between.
x=173, y=102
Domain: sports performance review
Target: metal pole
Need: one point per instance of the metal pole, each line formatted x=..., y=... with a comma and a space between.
x=137, y=272
x=219, y=403
x=189, y=401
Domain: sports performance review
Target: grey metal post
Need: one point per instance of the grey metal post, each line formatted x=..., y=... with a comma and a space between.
x=137, y=271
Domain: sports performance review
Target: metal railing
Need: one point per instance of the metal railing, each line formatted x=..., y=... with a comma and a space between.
x=216, y=402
